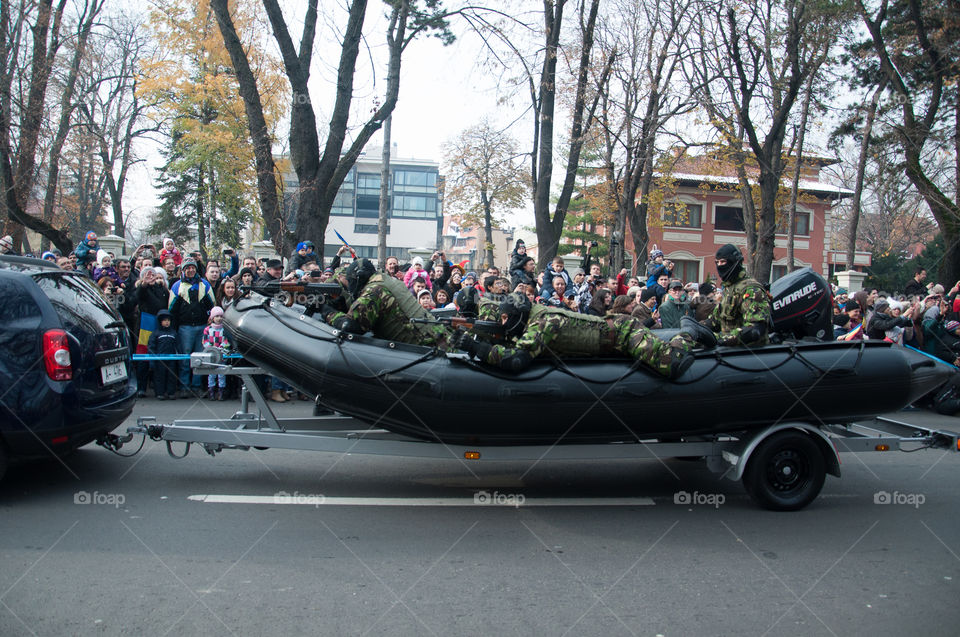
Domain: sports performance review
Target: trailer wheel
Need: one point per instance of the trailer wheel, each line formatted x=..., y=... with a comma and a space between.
x=785, y=472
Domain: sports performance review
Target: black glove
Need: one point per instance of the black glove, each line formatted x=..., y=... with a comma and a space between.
x=347, y=324
x=473, y=347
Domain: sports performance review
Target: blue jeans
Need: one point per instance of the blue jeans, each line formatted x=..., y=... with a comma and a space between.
x=189, y=340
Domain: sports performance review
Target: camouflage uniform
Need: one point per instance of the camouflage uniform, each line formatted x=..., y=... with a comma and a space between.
x=744, y=303
x=489, y=307
x=385, y=307
x=565, y=333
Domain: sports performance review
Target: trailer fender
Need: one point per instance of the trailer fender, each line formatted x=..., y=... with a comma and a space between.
x=738, y=459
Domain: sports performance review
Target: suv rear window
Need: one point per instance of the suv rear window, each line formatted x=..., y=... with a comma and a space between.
x=76, y=301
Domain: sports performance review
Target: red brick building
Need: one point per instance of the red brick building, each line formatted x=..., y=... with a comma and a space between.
x=702, y=211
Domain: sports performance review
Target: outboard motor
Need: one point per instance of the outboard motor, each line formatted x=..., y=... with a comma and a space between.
x=802, y=305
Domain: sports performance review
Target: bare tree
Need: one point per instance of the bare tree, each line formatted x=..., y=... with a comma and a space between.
x=17, y=168
x=484, y=177
x=753, y=60
x=649, y=41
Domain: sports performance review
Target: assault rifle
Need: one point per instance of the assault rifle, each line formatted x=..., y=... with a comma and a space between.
x=486, y=330
x=290, y=292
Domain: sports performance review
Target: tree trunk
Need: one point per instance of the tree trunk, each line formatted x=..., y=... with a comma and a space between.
x=198, y=208
x=384, y=194
x=66, y=112
x=488, y=230
x=256, y=123
x=19, y=184
x=861, y=170
x=797, y=169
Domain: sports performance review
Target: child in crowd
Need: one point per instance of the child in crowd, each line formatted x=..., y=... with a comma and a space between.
x=302, y=255
x=416, y=271
x=214, y=336
x=86, y=250
x=170, y=250
x=105, y=269
x=163, y=340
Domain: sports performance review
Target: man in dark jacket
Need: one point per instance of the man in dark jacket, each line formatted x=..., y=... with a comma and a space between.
x=916, y=288
x=191, y=300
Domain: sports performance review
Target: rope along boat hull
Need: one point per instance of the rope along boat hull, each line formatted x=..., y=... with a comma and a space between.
x=422, y=393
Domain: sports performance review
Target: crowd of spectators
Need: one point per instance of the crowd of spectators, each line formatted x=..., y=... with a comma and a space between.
x=194, y=292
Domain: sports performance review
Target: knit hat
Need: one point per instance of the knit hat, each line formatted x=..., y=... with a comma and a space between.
x=274, y=263
x=851, y=305
x=90, y=236
x=164, y=242
x=841, y=291
x=656, y=253
x=216, y=311
x=416, y=261
x=6, y=243
x=472, y=275
x=936, y=289
x=100, y=256
x=48, y=256
x=647, y=294
x=247, y=271
x=952, y=325
x=186, y=263
x=301, y=246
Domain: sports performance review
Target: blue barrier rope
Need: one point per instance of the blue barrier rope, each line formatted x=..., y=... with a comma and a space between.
x=172, y=357
x=939, y=360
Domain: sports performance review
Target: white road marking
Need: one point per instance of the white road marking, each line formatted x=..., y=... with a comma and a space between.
x=506, y=500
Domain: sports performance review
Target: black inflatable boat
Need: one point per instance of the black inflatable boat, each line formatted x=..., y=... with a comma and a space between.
x=426, y=394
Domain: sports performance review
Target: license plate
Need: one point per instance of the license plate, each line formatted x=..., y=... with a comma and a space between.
x=113, y=373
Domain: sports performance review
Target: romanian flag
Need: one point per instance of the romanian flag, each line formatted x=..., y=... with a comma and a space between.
x=853, y=334
x=148, y=323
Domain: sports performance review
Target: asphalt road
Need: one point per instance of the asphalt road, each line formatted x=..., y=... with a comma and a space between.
x=106, y=545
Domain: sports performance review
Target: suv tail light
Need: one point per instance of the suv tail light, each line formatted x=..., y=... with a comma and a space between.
x=56, y=355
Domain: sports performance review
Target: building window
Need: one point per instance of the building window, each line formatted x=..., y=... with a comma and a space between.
x=777, y=272
x=801, y=224
x=342, y=204
x=368, y=228
x=368, y=184
x=686, y=270
x=415, y=206
x=415, y=181
x=729, y=218
x=679, y=216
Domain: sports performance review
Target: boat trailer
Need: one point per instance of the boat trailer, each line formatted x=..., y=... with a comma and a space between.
x=782, y=467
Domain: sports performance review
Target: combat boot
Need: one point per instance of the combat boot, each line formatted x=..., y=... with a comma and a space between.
x=698, y=332
x=211, y=394
x=679, y=362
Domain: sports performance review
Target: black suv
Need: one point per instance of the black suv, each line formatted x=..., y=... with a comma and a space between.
x=65, y=369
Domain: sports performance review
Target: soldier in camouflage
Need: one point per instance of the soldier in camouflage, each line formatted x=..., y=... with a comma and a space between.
x=385, y=306
x=743, y=315
x=540, y=330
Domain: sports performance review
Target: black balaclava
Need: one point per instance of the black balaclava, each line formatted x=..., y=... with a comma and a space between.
x=734, y=259
x=467, y=301
x=358, y=274
x=517, y=308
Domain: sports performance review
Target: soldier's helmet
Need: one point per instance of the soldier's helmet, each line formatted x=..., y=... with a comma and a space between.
x=734, y=263
x=517, y=308
x=358, y=274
